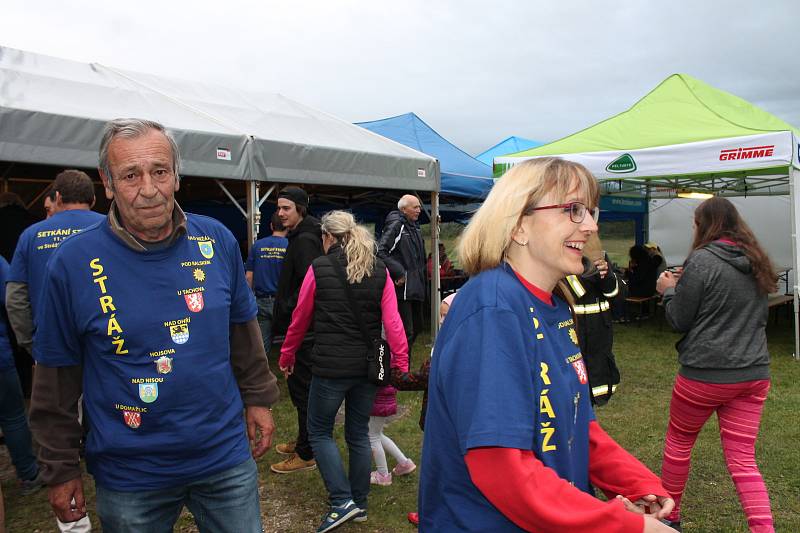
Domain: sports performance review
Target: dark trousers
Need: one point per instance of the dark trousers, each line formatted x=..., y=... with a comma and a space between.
x=411, y=315
x=299, y=383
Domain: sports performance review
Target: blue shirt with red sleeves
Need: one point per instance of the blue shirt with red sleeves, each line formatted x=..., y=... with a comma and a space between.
x=38, y=242
x=151, y=330
x=506, y=372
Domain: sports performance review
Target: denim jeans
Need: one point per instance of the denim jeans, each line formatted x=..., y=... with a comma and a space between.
x=324, y=399
x=265, y=304
x=224, y=502
x=14, y=423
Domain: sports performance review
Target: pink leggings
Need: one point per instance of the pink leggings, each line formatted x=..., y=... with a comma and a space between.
x=738, y=407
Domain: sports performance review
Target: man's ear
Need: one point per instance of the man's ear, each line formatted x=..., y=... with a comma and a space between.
x=107, y=186
x=59, y=201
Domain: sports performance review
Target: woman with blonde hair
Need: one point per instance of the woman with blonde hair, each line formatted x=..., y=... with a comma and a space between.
x=339, y=356
x=511, y=442
x=719, y=303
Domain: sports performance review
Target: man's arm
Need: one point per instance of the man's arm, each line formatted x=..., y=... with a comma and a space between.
x=389, y=239
x=248, y=275
x=20, y=314
x=55, y=426
x=257, y=383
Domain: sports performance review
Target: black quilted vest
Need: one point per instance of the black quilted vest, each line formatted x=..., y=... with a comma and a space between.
x=339, y=349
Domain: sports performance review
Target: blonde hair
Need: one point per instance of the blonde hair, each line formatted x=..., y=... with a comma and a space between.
x=488, y=235
x=356, y=241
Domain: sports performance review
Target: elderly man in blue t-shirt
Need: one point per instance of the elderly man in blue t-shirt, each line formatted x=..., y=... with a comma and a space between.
x=150, y=313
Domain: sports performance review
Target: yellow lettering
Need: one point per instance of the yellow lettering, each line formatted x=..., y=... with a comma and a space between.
x=543, y=373
x=97, y=268
x=107, y=303
x=113, y=325
x=547, y=433
x=544, y=404
x=119, y=342
x=102, y=282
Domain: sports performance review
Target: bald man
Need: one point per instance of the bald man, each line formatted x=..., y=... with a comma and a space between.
x=402, y=248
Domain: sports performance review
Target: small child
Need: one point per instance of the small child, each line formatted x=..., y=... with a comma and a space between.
x=385, y=406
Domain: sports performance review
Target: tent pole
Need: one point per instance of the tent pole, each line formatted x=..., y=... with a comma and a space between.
x=435, y=281
x=253, y=213
x=794, y=178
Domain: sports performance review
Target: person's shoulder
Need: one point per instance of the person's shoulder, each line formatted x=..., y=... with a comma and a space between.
x=198, y=226
x=493, y=289
x=77, y=243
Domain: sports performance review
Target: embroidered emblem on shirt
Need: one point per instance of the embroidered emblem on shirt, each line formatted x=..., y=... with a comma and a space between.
x=580, y=369
x=194, y=301
x=199, y=275
x=134, y=420
x=539, y=335
x=206, y=248
x=573, y=336
x=179, y=333
x=164, y=365
x=148, y=392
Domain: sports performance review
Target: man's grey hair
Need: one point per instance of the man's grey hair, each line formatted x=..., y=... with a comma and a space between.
x=131, y=128
x=404, y=201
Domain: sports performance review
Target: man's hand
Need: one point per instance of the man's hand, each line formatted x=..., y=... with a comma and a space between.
x=650, y=505
x=61, y=498
x=400, y=281
x=260, y=427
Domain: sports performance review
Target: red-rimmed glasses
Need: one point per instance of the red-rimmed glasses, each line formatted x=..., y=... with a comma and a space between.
x=577, y=211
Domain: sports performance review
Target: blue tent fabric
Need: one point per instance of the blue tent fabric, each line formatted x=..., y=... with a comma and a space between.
x=507, y=146
x=462, y=175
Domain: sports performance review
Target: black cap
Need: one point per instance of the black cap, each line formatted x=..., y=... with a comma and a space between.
x=295, y=194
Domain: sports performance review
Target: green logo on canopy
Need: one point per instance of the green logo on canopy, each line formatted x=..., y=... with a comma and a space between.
x=622, y=165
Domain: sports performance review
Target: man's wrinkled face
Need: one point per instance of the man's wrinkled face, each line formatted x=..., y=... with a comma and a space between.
x=287, y=212
x=412, y=208
x=142, y=184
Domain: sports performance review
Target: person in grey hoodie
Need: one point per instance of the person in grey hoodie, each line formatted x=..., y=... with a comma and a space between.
x=719, y=302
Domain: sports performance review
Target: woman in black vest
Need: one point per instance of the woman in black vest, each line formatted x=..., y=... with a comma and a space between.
x=339, y=356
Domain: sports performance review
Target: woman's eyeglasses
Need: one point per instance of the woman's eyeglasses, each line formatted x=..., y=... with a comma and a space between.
x=577, y=211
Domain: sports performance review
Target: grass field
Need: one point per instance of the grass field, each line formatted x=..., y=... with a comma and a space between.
x=636, y=417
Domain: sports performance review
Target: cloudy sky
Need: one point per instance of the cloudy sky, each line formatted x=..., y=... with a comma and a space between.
x=477, y=72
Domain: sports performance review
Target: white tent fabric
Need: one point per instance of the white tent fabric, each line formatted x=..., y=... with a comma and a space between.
x=52, y=112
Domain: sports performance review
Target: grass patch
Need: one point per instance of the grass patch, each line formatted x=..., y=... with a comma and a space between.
x=636, y=417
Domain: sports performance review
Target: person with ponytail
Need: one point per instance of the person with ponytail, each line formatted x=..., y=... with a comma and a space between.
x=719, y=302
x=339, y=356
x=511, y=440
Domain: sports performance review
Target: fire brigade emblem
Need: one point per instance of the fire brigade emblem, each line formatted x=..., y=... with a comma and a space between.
x=133, y=420
x=179, y=333
x=580, y=369
x=573, y=336
x=206, y=248
x=164, y=364
x=194, y=301
x=148, y=392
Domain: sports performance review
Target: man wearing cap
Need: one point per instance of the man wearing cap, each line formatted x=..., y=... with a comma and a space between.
x=305, y=245
x=150, y=313
x=402, y=248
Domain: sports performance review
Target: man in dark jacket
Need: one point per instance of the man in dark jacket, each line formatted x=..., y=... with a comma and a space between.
x=402, y=248
x=305, y=245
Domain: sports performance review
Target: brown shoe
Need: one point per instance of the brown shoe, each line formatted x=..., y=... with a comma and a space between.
x=293, y=464
x=287, y=448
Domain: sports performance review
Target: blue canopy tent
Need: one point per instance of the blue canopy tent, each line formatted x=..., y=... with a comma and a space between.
x=510, y=145
x=463, y=176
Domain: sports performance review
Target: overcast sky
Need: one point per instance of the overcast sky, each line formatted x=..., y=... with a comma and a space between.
x=477, y=72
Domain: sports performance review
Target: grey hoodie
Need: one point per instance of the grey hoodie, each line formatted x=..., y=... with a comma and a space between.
x=719, y=309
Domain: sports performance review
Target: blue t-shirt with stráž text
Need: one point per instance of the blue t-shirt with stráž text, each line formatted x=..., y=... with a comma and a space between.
x=151, y=330
x=506, y=372
x=265, y=262
x=38, y=242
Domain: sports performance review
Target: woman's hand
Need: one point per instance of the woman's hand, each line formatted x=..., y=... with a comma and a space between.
x=287, y=370
x=650, y=505
x=602, y=267
x=665, y=281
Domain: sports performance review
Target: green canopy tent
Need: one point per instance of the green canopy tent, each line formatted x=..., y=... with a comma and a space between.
x=686, y=136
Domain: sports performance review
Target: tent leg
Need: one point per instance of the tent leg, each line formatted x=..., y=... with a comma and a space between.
x=253, y=212
x=794, y=182
x=435, y=281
